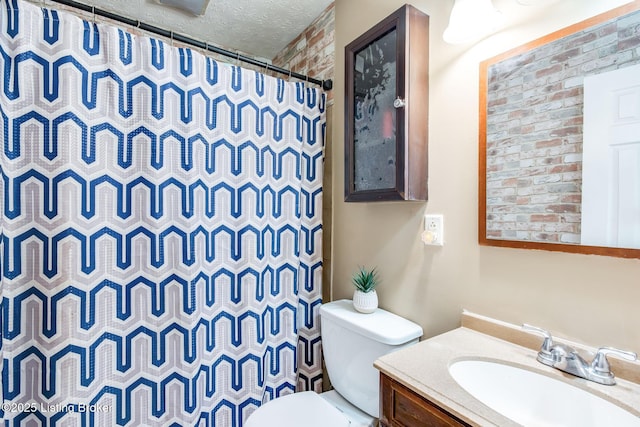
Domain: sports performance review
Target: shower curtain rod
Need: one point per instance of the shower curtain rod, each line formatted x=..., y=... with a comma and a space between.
x=326, y=84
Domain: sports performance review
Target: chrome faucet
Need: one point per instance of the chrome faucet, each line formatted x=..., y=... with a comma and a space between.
x=567, y=359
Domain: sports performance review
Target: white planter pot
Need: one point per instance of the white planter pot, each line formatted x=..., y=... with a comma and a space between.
x=365, y=302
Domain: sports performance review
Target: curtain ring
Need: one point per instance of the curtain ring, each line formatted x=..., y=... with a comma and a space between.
x=290, y=71
x=206, y=47
x=93, y=11
x=237, y=58
x=171, y=33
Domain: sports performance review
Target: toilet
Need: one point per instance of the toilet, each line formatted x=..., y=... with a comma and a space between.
x=351, y=341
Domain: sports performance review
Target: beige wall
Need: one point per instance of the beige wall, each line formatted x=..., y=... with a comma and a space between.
x=587, y=298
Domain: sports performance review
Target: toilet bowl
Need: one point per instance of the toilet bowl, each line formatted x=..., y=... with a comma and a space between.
x=310, y=409
x=351, y=342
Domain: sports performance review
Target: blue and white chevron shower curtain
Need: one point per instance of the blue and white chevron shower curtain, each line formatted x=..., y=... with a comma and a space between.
x=161, y=233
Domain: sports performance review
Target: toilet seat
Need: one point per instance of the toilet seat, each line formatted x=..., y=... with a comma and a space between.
x=298, y=409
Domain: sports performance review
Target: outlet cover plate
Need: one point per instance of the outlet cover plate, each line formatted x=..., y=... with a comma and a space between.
x=433, y=230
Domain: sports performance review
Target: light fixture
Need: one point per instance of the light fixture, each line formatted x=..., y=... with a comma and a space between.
x=196, y=7
x=471, y=20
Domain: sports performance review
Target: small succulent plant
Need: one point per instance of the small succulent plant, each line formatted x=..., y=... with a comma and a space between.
x=365, y=280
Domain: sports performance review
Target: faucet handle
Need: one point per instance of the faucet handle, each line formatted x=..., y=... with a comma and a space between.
x=545, y=355
x=600, y=364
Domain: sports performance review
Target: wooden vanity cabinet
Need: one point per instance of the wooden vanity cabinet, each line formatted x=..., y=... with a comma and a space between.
x=401, y=407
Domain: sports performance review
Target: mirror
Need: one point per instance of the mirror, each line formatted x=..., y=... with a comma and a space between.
x=537, y=166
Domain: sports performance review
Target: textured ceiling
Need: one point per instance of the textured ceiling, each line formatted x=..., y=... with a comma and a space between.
x=260, y=28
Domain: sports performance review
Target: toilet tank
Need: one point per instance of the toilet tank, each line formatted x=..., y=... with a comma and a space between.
x=351, y=341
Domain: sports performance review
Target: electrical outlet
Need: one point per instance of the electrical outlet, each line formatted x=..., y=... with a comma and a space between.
x=433, y=230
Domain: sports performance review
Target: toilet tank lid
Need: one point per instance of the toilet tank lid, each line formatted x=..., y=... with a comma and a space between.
x=381, y=325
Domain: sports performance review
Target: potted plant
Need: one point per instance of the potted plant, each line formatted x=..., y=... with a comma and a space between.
x=365, y=297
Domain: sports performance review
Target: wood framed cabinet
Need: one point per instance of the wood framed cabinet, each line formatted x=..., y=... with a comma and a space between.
x=386, y=110
x=401, y=407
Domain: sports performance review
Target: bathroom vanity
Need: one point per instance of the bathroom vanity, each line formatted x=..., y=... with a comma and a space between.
x=418, y=387
x=401, y=406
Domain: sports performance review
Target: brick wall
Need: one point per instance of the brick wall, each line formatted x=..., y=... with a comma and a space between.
x=534, y=130
x=312, y=52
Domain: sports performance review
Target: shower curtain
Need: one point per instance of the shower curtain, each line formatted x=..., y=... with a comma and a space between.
x=160, y=229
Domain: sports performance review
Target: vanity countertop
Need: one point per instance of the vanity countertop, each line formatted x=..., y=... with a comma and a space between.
x=423, y=368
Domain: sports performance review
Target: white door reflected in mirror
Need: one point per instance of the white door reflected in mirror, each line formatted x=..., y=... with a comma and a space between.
x=611, y=159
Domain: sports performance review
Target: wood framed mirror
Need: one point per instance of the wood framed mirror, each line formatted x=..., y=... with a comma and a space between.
x=539, y=108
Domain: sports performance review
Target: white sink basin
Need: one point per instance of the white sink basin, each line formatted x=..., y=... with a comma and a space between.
x=533, y=399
